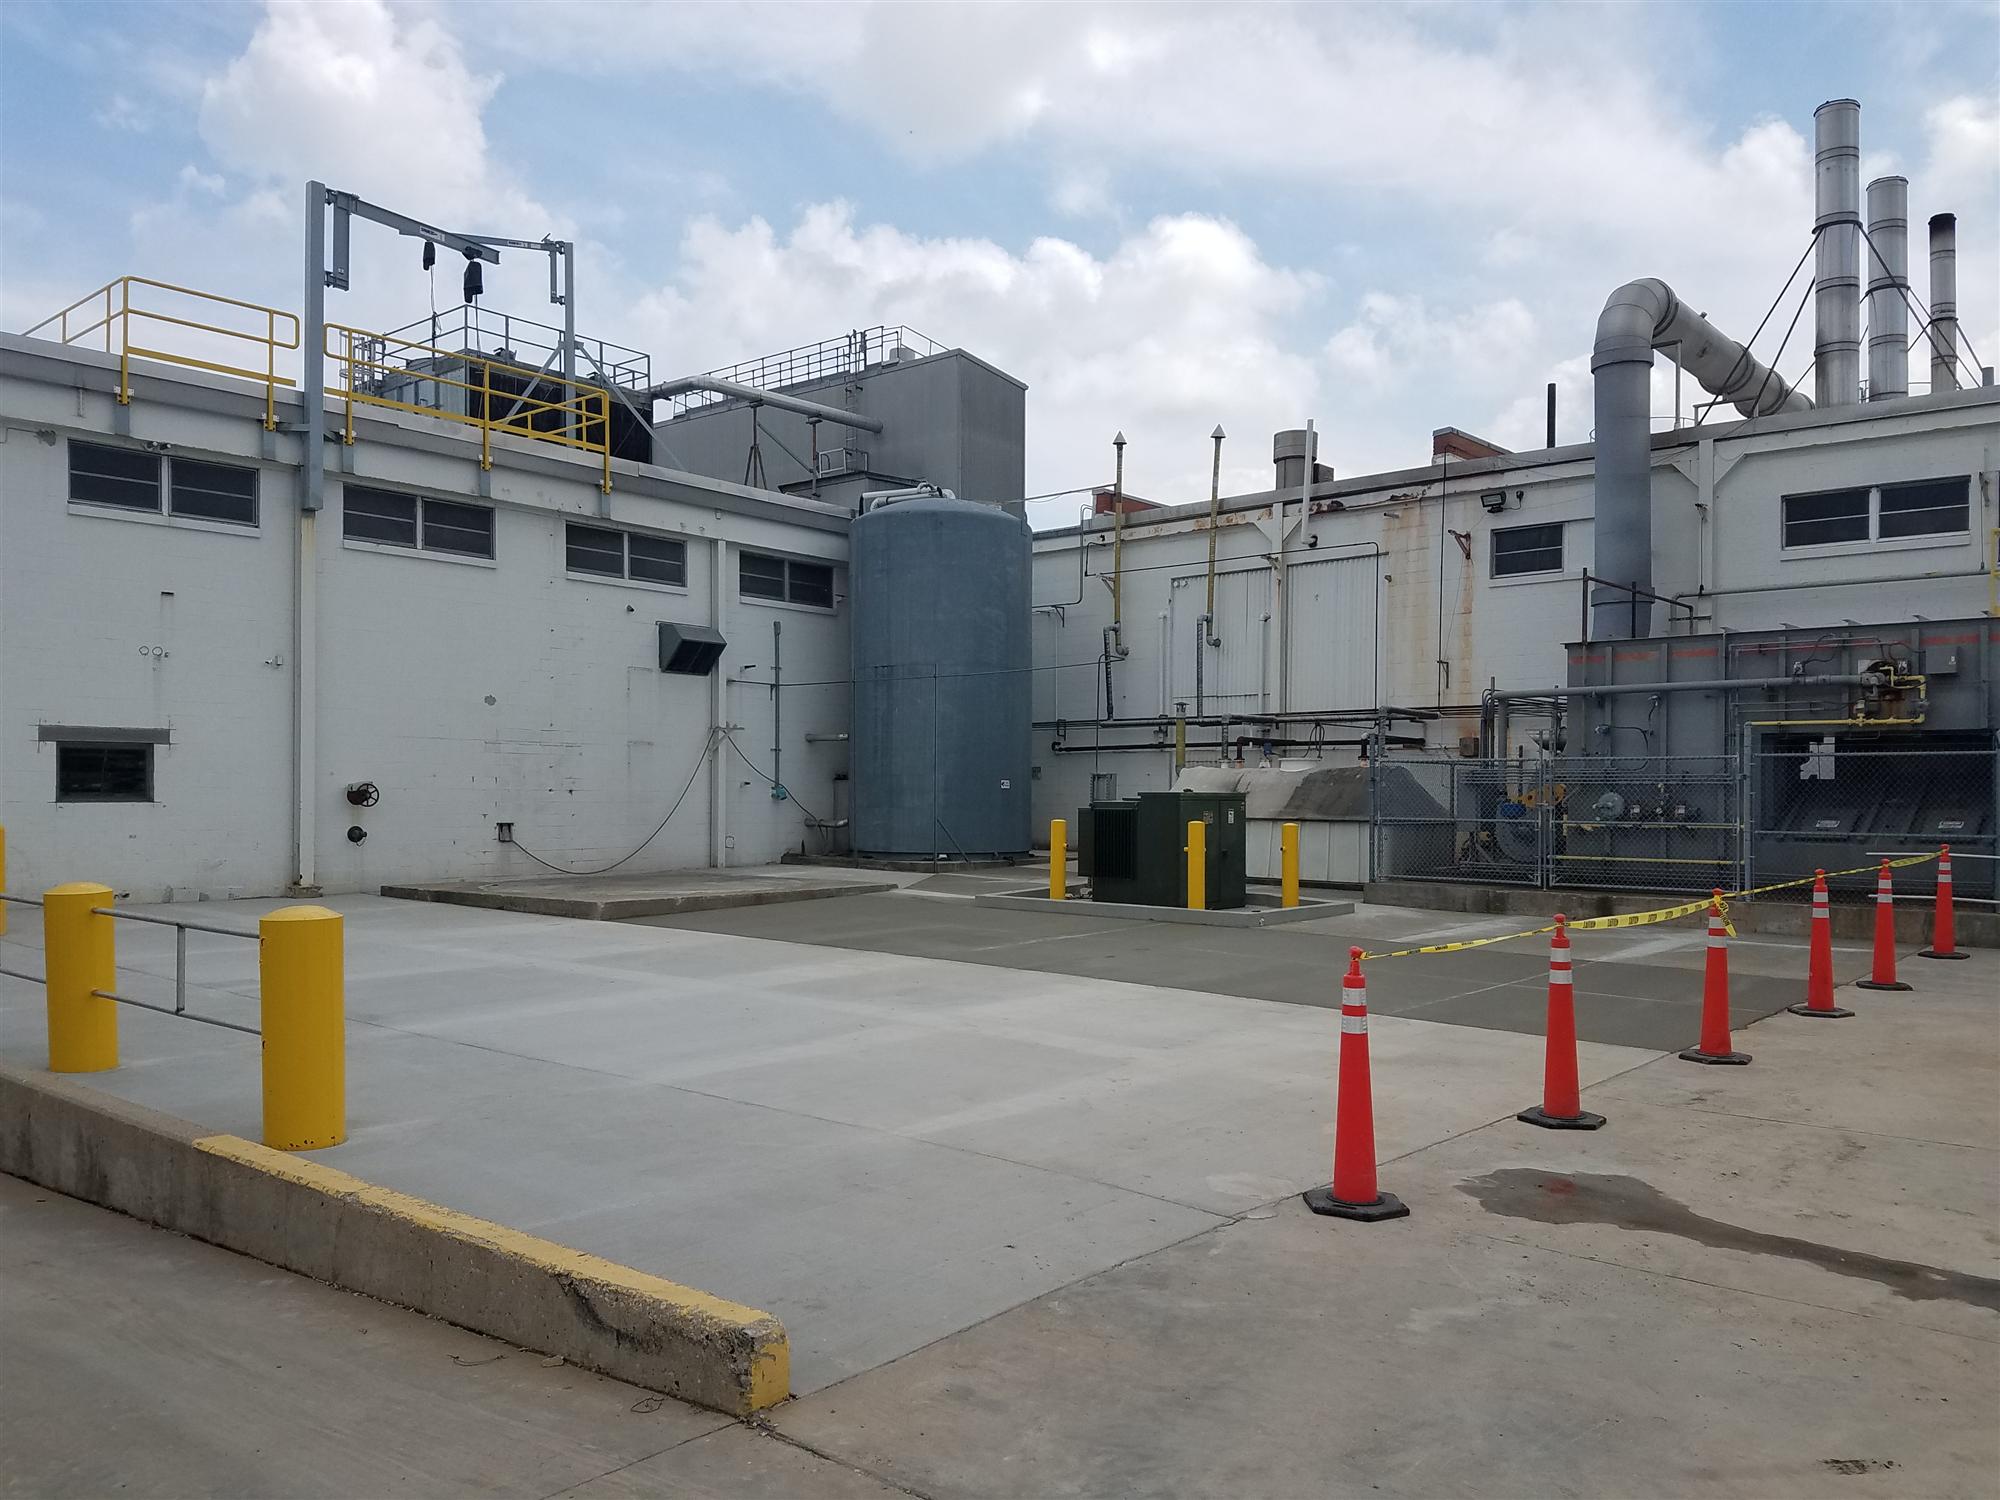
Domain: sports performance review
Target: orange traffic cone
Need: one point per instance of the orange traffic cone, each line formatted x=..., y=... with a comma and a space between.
x=1561, y=1107
x=1943, y=934
x=1715, y=1044
x=1883, y=974
x=1353, y=1193
x=1819, y=959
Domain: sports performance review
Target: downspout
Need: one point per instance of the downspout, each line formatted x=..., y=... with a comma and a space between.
x=1888, y=283
x=1205, y=636
x=718, y=708
x=1114, y=633
x=1637, y=317
x=1944, y=303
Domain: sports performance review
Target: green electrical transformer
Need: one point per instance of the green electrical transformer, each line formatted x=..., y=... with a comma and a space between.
x=1135, y=852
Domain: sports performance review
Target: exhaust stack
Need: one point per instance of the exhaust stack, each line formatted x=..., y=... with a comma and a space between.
x=1888, y=288
x=1837, y=262
x=1944, y=303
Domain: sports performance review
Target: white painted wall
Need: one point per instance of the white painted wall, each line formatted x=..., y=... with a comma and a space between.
x=469, y=692
x=1716, y=538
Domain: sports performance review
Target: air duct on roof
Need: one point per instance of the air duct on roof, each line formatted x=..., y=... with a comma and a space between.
x=1888, y=288
x=1944, y=302
x=1639, y=317
x=1837, y=273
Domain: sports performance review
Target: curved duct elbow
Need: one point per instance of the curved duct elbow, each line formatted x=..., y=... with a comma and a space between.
x=1637, y=318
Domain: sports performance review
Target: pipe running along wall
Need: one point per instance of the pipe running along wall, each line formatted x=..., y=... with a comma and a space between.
x=1639, y=317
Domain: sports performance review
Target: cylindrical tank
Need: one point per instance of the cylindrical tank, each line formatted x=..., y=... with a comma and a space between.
x=939, y=603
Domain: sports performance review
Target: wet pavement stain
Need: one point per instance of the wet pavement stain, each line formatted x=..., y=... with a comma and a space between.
x=1629, y=1203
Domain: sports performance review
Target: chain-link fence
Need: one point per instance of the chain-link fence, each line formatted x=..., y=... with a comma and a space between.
x=1787, y=807
x=1815, y=804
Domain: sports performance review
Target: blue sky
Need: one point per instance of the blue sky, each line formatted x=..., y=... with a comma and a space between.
x=1384, y=218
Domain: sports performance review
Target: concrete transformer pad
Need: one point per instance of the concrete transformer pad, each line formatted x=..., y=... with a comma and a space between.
x=1259, y=911
x=611, y=898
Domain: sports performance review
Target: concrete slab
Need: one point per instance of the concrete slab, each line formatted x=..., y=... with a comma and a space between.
x=156, y=1337
x=1695, y=1300
x=610, y=898
x=1259, y=909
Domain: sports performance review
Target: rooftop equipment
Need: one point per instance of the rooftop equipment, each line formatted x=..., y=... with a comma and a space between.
x=942, y=676
x=1888, y=288
x=1944, y=302
x=1837, y=273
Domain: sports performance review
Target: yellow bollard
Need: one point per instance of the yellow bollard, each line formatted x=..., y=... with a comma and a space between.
x=1288, y=837
x=1058, y=860
x=79, y=956
x=301, y=977
x=1197, y=855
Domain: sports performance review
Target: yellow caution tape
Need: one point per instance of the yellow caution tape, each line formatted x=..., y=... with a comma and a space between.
x=1644, y=918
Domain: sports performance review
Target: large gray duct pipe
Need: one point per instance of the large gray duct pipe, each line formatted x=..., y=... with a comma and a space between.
x=1888, y=284
x=759, y=397
x=1837, y=263
x=1639, y=317
x=1944, y=302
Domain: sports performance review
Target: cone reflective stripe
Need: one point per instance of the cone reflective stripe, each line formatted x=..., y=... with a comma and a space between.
x=1715, y=1046
x=1353, y=1193
x=1561, y=1107
x=1882, y=974
x=1819, y=959
x=1944, y=935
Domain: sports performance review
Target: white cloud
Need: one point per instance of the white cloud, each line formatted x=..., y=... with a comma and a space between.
x=1181, y=325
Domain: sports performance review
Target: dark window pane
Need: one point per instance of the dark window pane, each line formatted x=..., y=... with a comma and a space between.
x=1833, y=516
x=378, y=516
x=658, y=559
x=591, y=549
x=1935, y=507
x=1528, y=549
x=464, y=529
x=104, y=773
x=124, y=477
x=762, y=577
x=213, y=492
x=812, y=583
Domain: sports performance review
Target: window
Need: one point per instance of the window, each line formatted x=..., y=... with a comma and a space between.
x=104, y=773
x=1931, y=507
x=1917, y=508
x=1527, y=549
x=621, y=554
x=1835, y=516
x=787, y=581
x=124, y=477
x=389, y=518
x=212, y=492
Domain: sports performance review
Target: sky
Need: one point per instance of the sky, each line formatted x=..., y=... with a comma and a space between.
x=1162, y=218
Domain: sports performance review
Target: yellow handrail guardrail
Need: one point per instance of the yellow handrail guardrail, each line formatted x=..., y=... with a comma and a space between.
x=581, y=419
x=113, y=308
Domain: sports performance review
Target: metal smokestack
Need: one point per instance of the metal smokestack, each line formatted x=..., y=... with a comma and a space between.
x=1837, y=227
x=1888, y=288
x=1944, y=302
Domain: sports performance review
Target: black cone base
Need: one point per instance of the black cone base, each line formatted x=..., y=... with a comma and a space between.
x=1869, y=984
x=1716, y=1059
x=1321, y=1201
x=1933, y=953
x=1583, y=1119
x=1825, y=1015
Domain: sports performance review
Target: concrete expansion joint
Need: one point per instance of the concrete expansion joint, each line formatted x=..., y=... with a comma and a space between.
x=761, y=1424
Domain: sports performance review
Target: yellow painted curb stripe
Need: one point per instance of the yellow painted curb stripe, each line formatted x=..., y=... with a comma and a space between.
x=770, y=1375
x=1644, y=918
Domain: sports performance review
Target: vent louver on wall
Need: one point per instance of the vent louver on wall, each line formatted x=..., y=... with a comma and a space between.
x=691, y=650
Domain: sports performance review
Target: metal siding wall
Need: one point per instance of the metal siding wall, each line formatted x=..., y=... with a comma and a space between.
x=1331, y=655
x=1233, y=675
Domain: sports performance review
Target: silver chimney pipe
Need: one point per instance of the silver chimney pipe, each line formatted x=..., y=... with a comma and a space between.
x=1638, y=318
x=1837, y=263
x=1888, y=288
x=1944, y=302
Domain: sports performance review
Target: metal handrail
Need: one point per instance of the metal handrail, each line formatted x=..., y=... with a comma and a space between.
x=848, y=354
x=118, y=312
x=365, y=361
x=181, y=930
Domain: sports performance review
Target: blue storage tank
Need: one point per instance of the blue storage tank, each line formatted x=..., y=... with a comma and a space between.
x=939, y=604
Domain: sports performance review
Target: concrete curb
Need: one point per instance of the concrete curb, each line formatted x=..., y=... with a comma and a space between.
x=1255, y=915
x=322, y=1223
x=623, y=908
